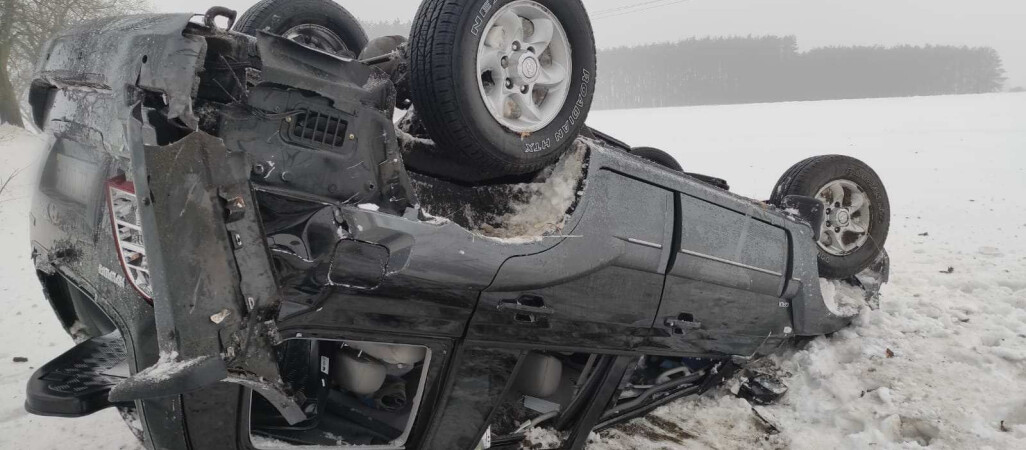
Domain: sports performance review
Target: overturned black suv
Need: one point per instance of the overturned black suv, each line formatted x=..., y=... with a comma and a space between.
x=252, y=253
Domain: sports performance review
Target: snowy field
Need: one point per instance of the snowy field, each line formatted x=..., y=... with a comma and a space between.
x=941, y=362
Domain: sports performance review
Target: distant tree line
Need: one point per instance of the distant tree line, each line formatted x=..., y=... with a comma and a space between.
x=723, y=70
x=771, y=69
x=697, y=71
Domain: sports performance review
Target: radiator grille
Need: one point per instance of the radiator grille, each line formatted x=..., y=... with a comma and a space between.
x=318, y=128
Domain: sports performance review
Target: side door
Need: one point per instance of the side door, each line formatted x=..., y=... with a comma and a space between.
x=600, y=287
x=723, y=292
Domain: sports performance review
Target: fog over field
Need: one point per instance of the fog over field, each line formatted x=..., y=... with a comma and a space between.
x=816, y=23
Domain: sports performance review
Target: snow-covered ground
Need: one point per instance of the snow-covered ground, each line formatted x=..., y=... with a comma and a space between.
x=28, y=327
x=955, y=168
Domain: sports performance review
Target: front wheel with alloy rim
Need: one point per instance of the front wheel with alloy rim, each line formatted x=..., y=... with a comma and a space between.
x=856, y=209
x=320, y=24
x=504, y=85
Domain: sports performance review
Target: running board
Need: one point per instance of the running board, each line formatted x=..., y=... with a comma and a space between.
x=76, y=383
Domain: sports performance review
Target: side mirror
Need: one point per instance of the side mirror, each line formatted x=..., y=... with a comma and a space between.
x=358, y=265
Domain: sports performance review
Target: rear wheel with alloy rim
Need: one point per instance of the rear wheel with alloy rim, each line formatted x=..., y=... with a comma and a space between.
x=320, y=24
x=856, y=208
x=318, y=37
x=848, y=217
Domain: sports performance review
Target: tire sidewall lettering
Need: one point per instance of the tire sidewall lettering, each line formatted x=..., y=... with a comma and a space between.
x=564, y=130
x=482, y=17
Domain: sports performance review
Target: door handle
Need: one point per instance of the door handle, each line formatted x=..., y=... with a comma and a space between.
x=681, y=323
x=527, y=304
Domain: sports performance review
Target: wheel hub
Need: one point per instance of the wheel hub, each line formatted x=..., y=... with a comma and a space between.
x=848, y=214
x=317, y=37
x=843, y=217
x=528, y=68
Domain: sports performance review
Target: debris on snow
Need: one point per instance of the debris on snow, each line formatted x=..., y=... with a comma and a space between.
x=709, y=421
x=761, y=389
x=20, y=359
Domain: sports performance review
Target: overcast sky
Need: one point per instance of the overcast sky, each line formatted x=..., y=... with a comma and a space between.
x=997, y=23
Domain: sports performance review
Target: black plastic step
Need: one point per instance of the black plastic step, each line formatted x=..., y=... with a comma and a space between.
x=76, y=383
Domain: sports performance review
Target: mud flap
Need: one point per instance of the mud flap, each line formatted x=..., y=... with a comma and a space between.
x=214, y=292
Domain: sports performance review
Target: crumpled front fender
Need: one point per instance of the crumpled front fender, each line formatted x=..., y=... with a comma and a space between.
x=214, y=292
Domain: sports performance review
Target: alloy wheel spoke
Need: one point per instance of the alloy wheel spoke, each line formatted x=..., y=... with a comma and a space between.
x=837, y=193
x=541, y=38
x=827, y=238
x=552, y=75
x=856, y=227
x=494, y=38
x=491, y=61
x=858, y=200
x=497, y=98
x=835, y=241
x=528, y=110
x=512, y=28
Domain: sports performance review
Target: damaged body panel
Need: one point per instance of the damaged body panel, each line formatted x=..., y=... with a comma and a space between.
x=282, y=247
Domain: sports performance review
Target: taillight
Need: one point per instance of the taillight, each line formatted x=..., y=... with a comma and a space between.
x=124, y=219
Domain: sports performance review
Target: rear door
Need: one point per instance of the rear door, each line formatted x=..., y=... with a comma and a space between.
x=723, y=289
